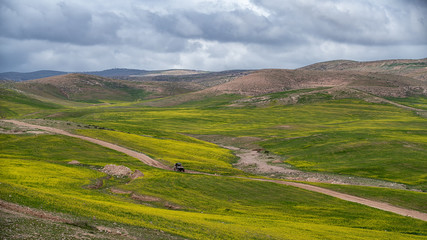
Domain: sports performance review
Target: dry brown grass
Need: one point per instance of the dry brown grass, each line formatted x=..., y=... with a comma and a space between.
x=277, y=80
x=405, y=67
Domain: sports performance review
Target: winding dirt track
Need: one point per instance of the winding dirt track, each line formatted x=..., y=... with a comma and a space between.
x=140, y=156
x=151, y=162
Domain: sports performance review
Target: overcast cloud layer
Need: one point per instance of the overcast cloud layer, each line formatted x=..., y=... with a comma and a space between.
x=83, y=35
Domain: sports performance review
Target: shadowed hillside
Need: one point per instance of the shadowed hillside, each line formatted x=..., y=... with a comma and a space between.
x=81, y=87
x=202, y=79
x=89, y=88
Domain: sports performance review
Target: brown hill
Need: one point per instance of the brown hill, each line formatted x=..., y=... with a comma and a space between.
x=277, y=80
x=405, y=67
x=90, y=88
x=341, y=84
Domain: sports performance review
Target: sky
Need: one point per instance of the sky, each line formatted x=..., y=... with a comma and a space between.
x=212, y=35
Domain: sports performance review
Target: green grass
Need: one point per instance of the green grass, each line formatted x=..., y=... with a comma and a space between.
x=82, y=89
x=285, y=94
x=60, y=150
x=195, y=155
x=419, y=102
x=17, y=226
x=350, y=153
x=403, y=198
x=349, y=137
x=14, y=103
x=211, y=207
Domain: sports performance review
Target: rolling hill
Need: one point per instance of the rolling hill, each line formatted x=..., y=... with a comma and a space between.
x=17, y=76
x=81, y=87
x=243, y=138
x=277, y=80
x=117, y=73
x=111, y=73
x=90, y=88
x=411, y=68
x=339, y=84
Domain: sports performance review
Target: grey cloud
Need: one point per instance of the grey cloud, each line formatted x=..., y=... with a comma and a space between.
x=58, y=23
x=211, y=35
x=358, y=22
x=235, y=26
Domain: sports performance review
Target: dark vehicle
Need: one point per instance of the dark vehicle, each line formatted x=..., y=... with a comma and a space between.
x=178, y=167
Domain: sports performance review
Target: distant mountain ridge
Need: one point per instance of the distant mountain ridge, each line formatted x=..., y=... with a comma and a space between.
x=110, y=73
x=336, y=79
x=17, y=76
x=414, y=68
x=117, y=72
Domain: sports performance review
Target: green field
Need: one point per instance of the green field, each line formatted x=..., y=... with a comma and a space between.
x=406, y=199
x=36, y=175
x=348, y=136
x=14, y=103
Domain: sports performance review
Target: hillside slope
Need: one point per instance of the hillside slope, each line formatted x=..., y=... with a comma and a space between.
x=17, y=76
x=277, y=80
x=411, y=68
x=81, y=87
x=89, y=88
x=267, y=81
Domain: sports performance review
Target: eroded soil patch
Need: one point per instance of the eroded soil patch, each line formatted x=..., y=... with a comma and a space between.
x=146, y=199
x=270, y=165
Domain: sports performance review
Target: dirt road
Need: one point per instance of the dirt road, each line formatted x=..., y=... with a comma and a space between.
x=142, y=157
x=151, y=162
x=375, y=204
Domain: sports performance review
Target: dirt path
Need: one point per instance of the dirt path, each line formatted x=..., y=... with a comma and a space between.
x=375, y=204
x=151, y=162
x=142, y=157
x=376, y=99
x=271, y=165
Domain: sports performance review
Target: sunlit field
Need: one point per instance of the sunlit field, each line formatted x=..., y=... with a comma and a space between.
x=349, y=137
x=204, y=206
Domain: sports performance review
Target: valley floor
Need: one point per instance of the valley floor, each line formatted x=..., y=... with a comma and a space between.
x=252, y=160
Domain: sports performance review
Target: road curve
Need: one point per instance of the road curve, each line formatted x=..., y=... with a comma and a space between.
x=151, y=162
x=375, y=204
x=140, y=156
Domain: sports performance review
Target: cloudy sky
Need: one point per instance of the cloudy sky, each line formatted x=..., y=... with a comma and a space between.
x=82, y=35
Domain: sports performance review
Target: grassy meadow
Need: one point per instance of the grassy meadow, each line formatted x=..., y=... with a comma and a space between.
x=205, y=206
x=194, y=154
x=397, y=197
x=15, y=104
x=348, y=136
